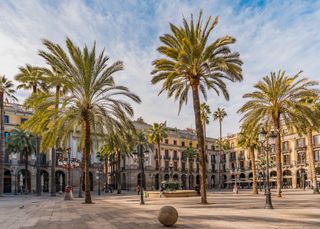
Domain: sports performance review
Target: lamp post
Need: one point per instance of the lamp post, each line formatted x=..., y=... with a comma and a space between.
x=235, y=172
x=14, y=174
x=266, y=140
x=100, y=160
x=302, y=177
x=141, y=156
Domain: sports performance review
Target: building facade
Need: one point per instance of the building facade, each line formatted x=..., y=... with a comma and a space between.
x=234, y=162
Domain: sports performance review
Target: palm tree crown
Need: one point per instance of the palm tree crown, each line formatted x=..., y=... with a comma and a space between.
x=6, y=87
x=219, y=114
x=205, y=111
x=31, y=77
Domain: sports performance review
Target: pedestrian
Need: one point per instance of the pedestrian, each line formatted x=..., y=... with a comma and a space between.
x=161, y=190
x=138, y=189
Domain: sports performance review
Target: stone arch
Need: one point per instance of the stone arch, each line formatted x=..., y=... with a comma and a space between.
x=191, y=181
x=60, y=181
x=24, y=180
x=166, y=177
x=44, y=180
x=7, y=181
x=176, y=177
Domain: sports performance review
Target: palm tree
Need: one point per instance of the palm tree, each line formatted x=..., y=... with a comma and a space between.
x=219, y=115
x=156, y=134
x=31, y=77
x=278, y=97
x=192, y=63
x=313, y=125
x=94, y=103
x=248, y=140
x=25, y=143
x=140, y=141
x=116, y=144
x=55, y=79
x=6, y=90
x=190, y=154
x=204, y=113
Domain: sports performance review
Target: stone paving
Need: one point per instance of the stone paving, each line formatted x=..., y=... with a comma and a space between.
x=226, y=210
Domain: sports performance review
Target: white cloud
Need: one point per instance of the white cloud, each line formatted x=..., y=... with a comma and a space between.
x=279, y=35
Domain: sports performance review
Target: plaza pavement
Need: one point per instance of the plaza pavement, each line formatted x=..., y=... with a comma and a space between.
x=110, y=211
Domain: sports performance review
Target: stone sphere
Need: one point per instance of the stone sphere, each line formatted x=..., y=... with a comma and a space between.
x=168, y=216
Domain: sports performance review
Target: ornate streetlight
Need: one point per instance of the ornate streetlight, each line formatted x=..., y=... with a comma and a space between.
x=99, y=171
x=141, y=157
x=68, y=163
x=266, y=140
x=171, y=170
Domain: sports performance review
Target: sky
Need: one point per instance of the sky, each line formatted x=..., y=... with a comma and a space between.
x=271, y=35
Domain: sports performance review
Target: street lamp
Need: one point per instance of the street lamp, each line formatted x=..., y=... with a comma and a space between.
x=266, y=140
x=141, y=156
x=99, y=171
x=235, y=172
x=302, y=177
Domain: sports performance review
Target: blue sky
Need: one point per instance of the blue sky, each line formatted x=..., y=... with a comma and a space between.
x=271, y=35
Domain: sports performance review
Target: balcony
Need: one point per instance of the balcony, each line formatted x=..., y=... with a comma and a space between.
x=232, y=159
x=166, y=157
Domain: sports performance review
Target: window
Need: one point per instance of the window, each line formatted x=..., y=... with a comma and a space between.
x=301, y=157
x=166, y=141
x=182, y=143
x=286, y=159
x=183, y=166
x=300, y=142
x=174, y=142
x=175, y=165
x=175, y=155
x=166, y=154
x=166, y=165
x=242, y=165
x=250, y=164
x=213, y=159
x=6, y=136
x=317, y=155
x=212, y=147
x=23, y=120
x=316, y=140
x=6, y=119
x=232, y=156
x=190, y=144
x=232, y=166
x=242, y=155
x=285, y=146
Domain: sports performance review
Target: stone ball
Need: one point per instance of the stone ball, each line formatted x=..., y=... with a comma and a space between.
x=168, y=216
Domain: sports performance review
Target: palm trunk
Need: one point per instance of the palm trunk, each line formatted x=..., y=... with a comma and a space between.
x=118, y=172
x=278, y=156
x=87, y=147
x=220, y=154
x=53, y=151
x=254, y=171
x=159, y=164
x=53, y=172
x=311, y=162
x=38, y=175
x=26, y=172
x=1, y=143
x=106, y=172
x=199, y=129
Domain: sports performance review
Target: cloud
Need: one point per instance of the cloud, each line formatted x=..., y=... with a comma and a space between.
x=270, y=36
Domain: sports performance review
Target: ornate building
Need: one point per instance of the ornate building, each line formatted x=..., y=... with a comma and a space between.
x=234, y=161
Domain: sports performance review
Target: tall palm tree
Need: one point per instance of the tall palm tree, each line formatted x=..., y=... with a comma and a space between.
x=116, y=144
x=278, y=97
x=25, y=143
x=55, y=79
x=248, y=140
x=312, y=125
x=205, y=111
x=219, y=115
x=190, y=62
x=94, y=103
x=6, y=91
x=31, y=77
x=190, y=154
x=156, y=134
